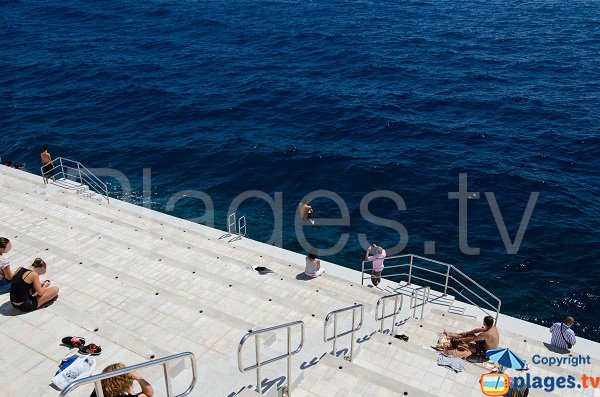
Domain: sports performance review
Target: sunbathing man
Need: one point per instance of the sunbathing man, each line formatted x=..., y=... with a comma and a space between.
x=488, y=334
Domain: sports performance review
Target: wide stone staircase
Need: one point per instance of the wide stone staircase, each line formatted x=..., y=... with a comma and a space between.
x=145, y=285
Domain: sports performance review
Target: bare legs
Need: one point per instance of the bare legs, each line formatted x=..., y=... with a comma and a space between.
x=49, y=294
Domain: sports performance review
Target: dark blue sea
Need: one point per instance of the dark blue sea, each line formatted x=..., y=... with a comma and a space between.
x=347, y=96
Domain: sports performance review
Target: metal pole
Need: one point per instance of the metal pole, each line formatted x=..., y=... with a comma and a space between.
x=256, y=342
x=447, y=279
x=498, y=312
x=168, y=380
x=410, y=269
x=334, y=334
x=98, y=387
x=382, y=315
x=352, y=343
x=80, y=178
x=394, y=317
x=362, y=274
x=62, y=169
x=289, y=363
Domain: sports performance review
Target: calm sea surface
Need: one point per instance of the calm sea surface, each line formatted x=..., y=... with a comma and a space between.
x=295, y=96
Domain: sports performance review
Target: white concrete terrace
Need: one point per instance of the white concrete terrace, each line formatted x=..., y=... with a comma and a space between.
x=145, y=284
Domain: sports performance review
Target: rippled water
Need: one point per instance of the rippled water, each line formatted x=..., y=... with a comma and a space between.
x=293, y=96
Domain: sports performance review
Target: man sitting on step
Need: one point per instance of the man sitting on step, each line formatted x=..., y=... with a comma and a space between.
x=487, y=334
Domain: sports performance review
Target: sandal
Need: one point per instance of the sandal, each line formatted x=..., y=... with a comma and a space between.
x=91, y=349
x=402, y=337
x=73, y=341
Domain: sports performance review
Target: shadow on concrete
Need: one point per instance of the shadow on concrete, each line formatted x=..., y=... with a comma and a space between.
x=303, y=277
x=555, y=349
x=7, y=309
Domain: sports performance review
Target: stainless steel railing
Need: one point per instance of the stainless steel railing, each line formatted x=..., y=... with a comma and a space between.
x=259, y=363
x=354, y=328
x=414, y=300
x=64, y=168
x=450, y=279
x=97, y=379
x=397, y=308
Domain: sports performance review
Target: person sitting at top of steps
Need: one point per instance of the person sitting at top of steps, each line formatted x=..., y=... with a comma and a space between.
x=122, y=385
x=27, y=293
x=305, y=211
x=488, y=333
x=5, y=272
x=313, y=266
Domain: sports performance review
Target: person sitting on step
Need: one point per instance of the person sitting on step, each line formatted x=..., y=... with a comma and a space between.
x=488, y=334
x=122, y=385
x=27, y=292
x=313, y=266
x=6, y=274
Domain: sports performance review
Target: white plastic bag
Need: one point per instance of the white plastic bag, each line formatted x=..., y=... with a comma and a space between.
x=80, y=368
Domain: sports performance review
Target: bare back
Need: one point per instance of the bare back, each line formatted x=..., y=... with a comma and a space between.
x=46, y=158
x=491, y=338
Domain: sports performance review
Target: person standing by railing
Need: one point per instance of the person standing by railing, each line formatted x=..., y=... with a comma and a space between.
x=377, y=256
x=48, y=168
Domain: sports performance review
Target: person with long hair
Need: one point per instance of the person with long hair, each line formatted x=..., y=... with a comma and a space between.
x=5, y=272
x=27, y=292
x=122, y=385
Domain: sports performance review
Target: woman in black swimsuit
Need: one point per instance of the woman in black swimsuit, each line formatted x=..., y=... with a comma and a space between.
x=27, y=293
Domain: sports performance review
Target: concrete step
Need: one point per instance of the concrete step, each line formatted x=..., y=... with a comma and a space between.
x=180, y=251
x=410, y=363
x=333, y=376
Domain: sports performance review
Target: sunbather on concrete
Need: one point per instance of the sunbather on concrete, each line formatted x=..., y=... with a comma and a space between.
x=122, y=385
x=27, y=292
x=457, y=349
x=488, y=333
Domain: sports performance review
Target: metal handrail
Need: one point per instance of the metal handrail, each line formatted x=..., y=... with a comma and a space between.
x=415, y=295
x=351, y=331
x=449, y=277
x=259, y=364
x=231, y=224
x=242, y=226
x=97, y=379
x=83, y=174
x=397, y=309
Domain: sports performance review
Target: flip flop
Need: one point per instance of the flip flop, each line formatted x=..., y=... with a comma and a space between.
x=91, y=349
x=73, y=341
x=402, y=337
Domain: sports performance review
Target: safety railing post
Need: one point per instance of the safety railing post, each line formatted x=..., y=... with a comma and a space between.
x=98, y=388
x=289, y=362
x=352, y=343
x=410, y=268
x=168, y=384
x=447, y=279
x=256, y=342
x=382, y=315
x=334, y=336
x=394, y=316
x=79, y=170
x=62, y=169
x=362, y=274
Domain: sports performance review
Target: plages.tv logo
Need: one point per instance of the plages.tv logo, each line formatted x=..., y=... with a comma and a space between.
x=494, y=384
